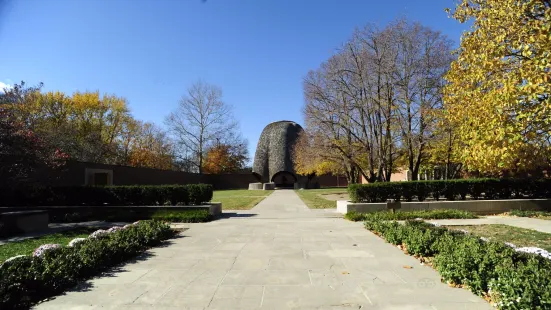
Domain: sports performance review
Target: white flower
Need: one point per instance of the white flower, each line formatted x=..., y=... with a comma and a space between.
x=11, y=259
x=484, y=239
x=463, y=231
x=114, y=229
x=98, y=233
x=534, y=250
x=45, y=248
x=75, y=241
x=14, y=258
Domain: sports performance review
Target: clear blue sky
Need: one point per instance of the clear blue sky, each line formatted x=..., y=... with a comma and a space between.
x=150, y=51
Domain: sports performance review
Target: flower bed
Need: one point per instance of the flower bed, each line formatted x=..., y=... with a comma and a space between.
x=509, y=277
x=25, y=280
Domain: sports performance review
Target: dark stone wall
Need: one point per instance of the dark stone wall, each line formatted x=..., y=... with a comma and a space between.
x=74, y=173
x=273, y=152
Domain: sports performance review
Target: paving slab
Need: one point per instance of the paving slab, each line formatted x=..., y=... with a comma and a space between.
x=279, y=255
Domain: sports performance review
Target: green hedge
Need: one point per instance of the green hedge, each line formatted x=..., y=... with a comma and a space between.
x=451, y=190
x=137, y=195
x=29, y=279
x=410, y=215
x=513, y=280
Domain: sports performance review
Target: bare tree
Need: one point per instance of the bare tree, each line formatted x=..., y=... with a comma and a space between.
x=423, y=57
x=372, y=101
x=201, y=120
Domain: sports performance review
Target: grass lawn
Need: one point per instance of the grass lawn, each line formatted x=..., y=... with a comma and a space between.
x=240, y=199
x=520, y=237
x=318, y=198
x=26, y=247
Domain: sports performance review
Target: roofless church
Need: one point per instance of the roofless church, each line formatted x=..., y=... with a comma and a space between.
x=273, y=161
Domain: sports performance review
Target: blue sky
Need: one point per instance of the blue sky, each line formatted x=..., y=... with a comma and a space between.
x=150, y=51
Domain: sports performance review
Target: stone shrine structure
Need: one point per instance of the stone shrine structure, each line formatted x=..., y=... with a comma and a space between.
x=273, y=162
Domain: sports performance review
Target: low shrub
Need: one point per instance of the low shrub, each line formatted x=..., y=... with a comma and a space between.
x=410, y=215
x=135, y=195
x=512, y=278
x=451, y=190
x=521, y=213
x=29, y=279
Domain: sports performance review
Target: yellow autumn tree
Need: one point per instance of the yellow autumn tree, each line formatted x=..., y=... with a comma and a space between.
x=311, y=159
x=224, y=158
x=498, y=93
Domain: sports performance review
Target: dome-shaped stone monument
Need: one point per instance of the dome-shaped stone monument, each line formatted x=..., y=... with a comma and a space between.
x=273, y=160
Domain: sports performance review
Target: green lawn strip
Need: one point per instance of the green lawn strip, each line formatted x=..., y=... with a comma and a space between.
x=27, y=246
x=241, y=199
x=520, y=237
x=182, y=216
x=410, y=215
x=543, y=215
x=314, y=199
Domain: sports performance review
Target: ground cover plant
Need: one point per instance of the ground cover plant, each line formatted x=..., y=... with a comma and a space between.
x=544, y=215
x=240, y=199
x=510, y=277
x=410, y=215
x=53, y=268
x=314, y=198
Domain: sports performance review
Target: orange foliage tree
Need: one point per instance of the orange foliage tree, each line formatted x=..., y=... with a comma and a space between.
x=224, y=158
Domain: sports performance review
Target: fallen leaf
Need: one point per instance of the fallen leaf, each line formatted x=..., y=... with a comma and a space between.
x=408, y=267
x=345, y=272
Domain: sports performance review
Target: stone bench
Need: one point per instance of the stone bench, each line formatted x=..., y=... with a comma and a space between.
x=22, y=222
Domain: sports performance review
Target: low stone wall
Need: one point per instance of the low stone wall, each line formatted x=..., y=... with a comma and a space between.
x=481, y=207
x=255, y=186
x=26, y=221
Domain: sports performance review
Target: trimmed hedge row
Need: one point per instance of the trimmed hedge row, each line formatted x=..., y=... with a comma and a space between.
x=512, y=279
x=410, y=215
x=29, y=279
x=137, y=195
x=451, y=190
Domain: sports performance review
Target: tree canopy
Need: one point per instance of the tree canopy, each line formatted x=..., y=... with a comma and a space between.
x=497, y=95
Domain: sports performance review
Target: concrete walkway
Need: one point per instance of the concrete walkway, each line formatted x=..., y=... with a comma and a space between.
x=522, y=222
x=279, y=255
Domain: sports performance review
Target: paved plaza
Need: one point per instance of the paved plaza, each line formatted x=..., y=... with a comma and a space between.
x=279, y=255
